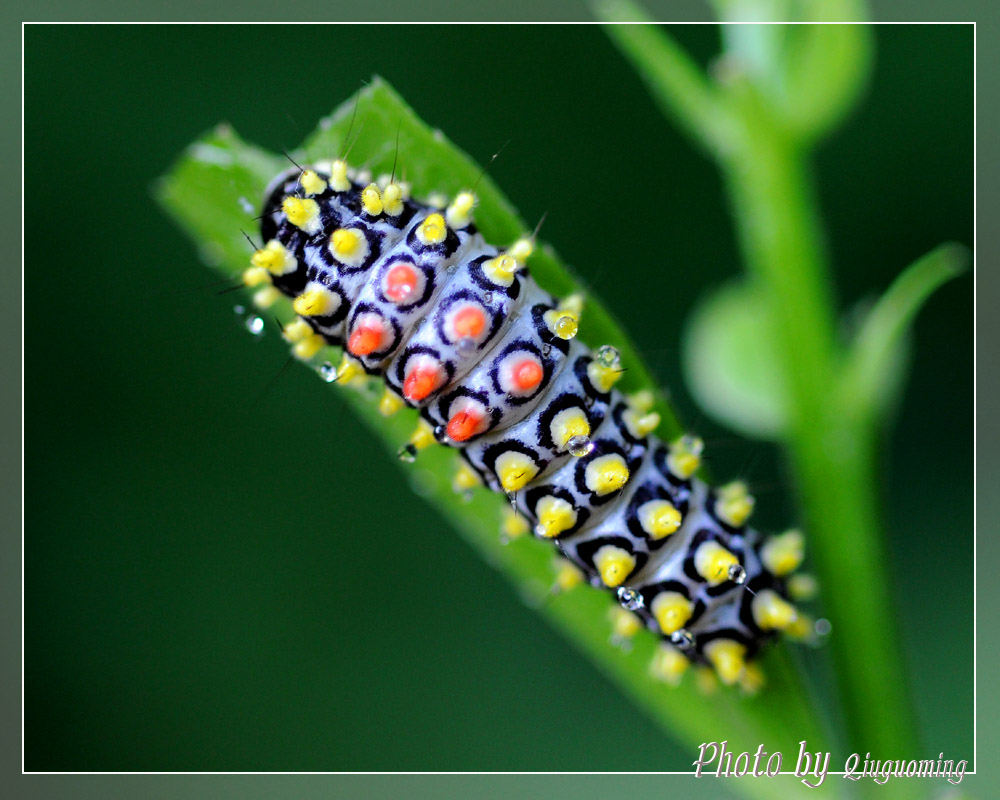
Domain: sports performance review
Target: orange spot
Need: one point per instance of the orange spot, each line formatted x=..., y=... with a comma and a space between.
x=469, y=321
x=420, y=382
x=465, y=424
x=366, y=337
x=527, y=374
x=400, y=283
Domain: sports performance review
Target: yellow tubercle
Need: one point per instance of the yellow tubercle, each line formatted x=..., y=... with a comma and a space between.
x=624, y=624
x=802, y=587
x=603, y=377
x=312, y=183
x=734, y=504
x=275, y=258
x=303, y=213
x=783, y=554
x=339, y=181
x=561, y=323
x=465, y=478
x=349, y=246
x=684, y=457
x=371, y=200
x=501, y=269
x=671, y=610
x=515, y=470
x=606, y=474
x=316, y=301
x=802, y=628
x=728, y=657
x=669, y=664
x=753, y=679
x=309, y=346
x=433, y=230
x=423, y=435
x=521, y=250
x=706, y=679
x=713, y=561
x=573, y=304
x=659, y=518
x=568, y=423
x=513, y=525
x=555, y=516
x=266, y=297
x=349, y=369
x=390, y=403
x=642, y=401
x=459, y=213
x=614, y=564
x=568, y=575
x=296, y=330
x=392, y=199
x=640, y=425
x=255, y=276
x=771, y=611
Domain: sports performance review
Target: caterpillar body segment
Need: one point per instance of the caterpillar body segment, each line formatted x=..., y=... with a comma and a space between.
x=458, y=329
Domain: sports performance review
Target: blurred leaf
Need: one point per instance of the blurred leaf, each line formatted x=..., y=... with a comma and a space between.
x=811, y=74
x=203, y=193
x=731, y=364
x=825, y=67
x=875, y=363
x=675, y=81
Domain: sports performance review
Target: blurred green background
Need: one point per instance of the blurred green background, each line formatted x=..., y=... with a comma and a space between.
x=223, y=577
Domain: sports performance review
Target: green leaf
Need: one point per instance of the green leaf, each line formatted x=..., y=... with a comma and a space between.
x=203, y=192
x=730, y=361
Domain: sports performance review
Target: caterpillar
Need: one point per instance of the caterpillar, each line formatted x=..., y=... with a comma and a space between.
x=458, y=329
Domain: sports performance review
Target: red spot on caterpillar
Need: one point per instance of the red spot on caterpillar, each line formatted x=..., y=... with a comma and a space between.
x=421, y=380
x=367, y=335
x=466, y=423
x=469, y=321
x=400, y=283
x=527, y=374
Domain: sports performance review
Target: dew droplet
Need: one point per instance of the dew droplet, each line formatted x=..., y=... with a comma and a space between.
x=580, y=446
x=546, y=349
x=630, y=598
x=566, y=327
x=407, y=453
x=439, y=432
x=822, y=627
x=588, y=401
x=608, y=356
x=737, y=574
x=466, y=346
x=255, y=325
x=682, y=639
x=327, y=372
x=488, y=298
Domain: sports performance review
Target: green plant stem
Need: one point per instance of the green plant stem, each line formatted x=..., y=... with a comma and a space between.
x=833, y=453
